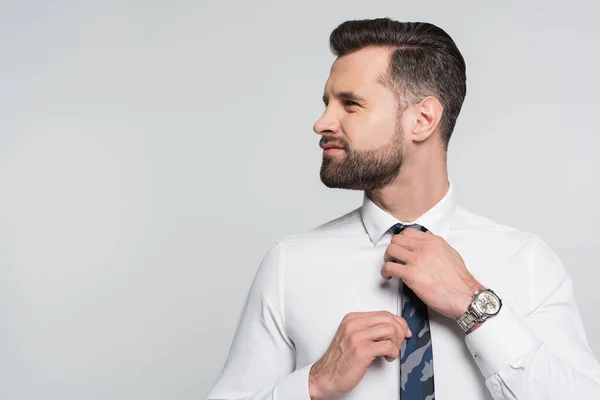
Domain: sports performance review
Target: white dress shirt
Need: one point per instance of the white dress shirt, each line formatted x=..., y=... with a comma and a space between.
x=535, y=348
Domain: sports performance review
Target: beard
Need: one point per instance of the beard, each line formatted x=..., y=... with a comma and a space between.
x=364, y=169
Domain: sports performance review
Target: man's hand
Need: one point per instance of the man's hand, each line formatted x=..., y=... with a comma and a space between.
x=432, y=269
x=360, y=338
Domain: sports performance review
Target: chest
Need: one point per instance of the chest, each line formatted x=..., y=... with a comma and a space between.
x=320, y=289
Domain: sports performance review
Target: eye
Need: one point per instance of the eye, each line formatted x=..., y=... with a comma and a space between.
x=350, y=103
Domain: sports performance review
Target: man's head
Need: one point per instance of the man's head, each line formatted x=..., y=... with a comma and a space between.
x=393, y=87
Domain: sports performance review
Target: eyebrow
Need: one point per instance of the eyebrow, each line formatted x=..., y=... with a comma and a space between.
x=345, y=95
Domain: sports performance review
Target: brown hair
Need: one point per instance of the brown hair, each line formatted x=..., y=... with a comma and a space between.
x=425, y=62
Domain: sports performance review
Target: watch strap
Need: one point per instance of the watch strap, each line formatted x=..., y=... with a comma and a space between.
x=467, y=320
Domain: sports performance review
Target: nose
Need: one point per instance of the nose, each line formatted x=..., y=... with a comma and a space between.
x=328, y=123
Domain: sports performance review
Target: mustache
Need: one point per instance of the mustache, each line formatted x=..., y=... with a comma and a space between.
x=326, y=142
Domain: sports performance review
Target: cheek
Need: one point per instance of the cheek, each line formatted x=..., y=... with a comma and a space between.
x=375, y=131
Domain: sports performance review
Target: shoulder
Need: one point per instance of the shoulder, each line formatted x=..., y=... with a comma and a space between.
x=508, y=251
x=482, y=231
x=349, y=224
x=467, y=222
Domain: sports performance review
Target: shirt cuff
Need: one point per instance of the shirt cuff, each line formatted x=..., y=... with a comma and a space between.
x=294, y=386
x=500, y=340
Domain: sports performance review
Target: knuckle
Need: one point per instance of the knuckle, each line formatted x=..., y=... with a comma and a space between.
x=344, y=320
x=347, y=328
x=353, y=341
x=357, y=348
x=388, y=329
x=403, y=323
x=385, y=268
x=348, y=316
x=390, y=347
x=418, y=256
x=389, y=266
x=391, y=318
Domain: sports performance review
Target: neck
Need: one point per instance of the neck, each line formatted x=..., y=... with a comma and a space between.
x=415, y=190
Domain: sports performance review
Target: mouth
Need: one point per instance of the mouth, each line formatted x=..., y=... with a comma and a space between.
x=332, y=150
x=327, y=146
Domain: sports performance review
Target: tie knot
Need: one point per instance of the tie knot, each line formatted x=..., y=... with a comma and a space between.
x=397, y=228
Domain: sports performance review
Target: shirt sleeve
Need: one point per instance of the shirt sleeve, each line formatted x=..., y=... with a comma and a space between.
x=544, y=353
x=261, y=360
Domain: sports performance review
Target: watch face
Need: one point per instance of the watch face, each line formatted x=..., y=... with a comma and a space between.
x=488, y=303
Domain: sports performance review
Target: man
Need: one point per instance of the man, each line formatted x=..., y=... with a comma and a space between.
x=409, y=296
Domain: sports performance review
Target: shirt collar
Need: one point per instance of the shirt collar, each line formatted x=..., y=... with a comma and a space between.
x=437, y=219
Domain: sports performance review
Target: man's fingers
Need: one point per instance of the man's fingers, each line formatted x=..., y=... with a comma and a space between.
x=392, y=269
x=395, y=252
x=415, y=233
x=385, y=348
x=407, y=242
x=404, y=326
x=384, y=331
x=357, y=321
x=395, y=331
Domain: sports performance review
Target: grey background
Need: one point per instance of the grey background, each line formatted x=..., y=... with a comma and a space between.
x=151, y=152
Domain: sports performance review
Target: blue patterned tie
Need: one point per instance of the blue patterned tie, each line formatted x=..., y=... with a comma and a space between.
x=416, y=356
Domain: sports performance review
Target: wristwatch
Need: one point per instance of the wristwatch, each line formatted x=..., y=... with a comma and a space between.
x=486, y=304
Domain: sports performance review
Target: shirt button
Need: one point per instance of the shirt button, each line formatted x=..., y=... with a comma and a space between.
x=476, y=355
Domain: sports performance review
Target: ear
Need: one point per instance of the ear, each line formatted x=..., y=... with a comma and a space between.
x=428, y=113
